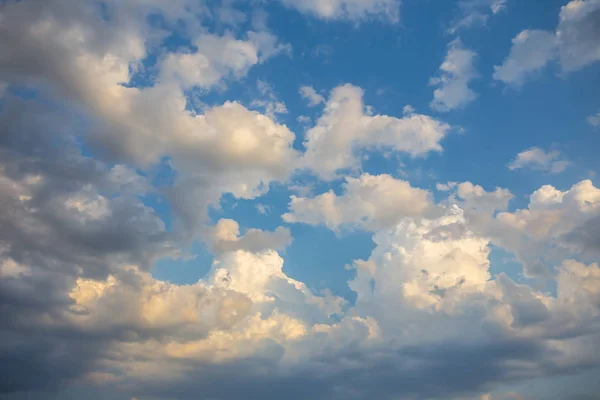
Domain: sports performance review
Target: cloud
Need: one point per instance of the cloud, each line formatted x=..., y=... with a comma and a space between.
x=537, y=159
x=369, y=202
x=345, y=127
x=83, y=221
x=144, y=125
x=577, y=34
x=456, y=72
x=475, y=12
x=594, y=120
x=432, y=262
x=271, y=105
x=354, y=10
x=531, y=51
x=574, y=45
x=310, y=94
x=475, y=197
x=556, y=225
x=445, y=187
x=217, y=58
x=226, y=238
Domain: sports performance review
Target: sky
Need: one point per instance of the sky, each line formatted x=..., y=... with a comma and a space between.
x=299, y=199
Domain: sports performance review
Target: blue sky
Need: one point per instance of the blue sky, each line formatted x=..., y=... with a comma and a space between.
x=316, y=199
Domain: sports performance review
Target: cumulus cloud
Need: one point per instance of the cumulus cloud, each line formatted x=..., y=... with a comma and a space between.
x=538, y=159
x=355, y=10
x=574, y=44
x=368, y=202
x=143, y=125
x=345, y=127
x=555, y=225
x=456, y=72
x=81, y=228
x=217, y=58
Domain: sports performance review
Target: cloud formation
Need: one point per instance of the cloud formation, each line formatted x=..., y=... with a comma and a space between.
x=346, y=127
x=540, y=160
x=110, y=164
x=355, y=10
x=456, y=72
x=475, y=13
x=368, y=202
x=574, y=45
x=310, y=94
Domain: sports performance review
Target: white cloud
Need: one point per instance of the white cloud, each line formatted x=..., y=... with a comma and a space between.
x=475, y=12
x=263, y=209
x=575, y=44
x=475, y=197
x=540, y=160
x=445, y=187
x=369, y=202
x=577, y=34
x=594, y=120
x=78, y=238
x=531, y=51
x=555, y=226
x=310, y=94
x=346, y=127
x=456, y=72
x=269, y=103
x=422, y=263
x=348, y=9
x=408, y=110
x=225, y=237
x=217, y=58
x=304, y=119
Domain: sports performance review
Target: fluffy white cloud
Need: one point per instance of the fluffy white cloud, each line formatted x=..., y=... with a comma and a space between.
x=154, y=307
x=369, y=202
x=540, y=160
x=348, y=9
x=531, y=51
x=574, y=44
x=346, y=127
x=310, y=94
x=432, y=263
x=217, y=58
x=556, y=225
x=456, y=72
